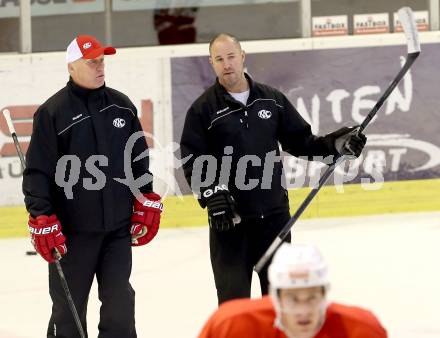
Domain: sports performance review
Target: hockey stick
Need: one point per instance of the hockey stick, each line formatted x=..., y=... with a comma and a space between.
x=68, y=294
x=7, y=115
x=406, y=17
x=56, y=254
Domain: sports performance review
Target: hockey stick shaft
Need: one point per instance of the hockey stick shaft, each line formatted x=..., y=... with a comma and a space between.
x=7, y=115
x=408, y=23
x=283, y=233
x=68, y=294
x=57, y=256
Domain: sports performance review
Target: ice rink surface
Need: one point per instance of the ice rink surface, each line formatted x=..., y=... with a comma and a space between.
x=387, y=263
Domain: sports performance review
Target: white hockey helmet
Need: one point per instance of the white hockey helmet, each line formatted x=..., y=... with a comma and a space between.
x=297, y=266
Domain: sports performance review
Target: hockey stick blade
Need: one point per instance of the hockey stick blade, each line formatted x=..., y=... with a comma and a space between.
x=409, y=26
x=7, y=115
x=406, y=17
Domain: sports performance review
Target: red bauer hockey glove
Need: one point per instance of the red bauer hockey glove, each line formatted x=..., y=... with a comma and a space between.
x=46, y=236
x=145, y=219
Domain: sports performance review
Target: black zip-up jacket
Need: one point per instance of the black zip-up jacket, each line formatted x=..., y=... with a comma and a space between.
x=216, y=120
x=82, y=122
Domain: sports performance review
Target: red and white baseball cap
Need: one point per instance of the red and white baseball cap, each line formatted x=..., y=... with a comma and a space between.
x=86, y=47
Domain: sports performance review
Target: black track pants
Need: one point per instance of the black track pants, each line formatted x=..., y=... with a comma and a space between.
x=108, y=256
x=235, y=252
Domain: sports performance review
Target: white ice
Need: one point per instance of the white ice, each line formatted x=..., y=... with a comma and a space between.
x=387, y=263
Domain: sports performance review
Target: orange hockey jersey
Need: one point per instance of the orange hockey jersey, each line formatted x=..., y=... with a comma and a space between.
x=254, y=318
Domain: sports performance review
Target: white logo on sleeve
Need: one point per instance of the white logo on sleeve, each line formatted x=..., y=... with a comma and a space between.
x=87, y=45
x=118, y=122
x=264, y=114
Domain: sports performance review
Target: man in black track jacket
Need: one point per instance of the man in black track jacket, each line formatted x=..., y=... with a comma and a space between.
x=77, y=207
x=231, y=137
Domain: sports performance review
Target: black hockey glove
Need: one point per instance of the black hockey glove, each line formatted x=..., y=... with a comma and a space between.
x=347, y=141
x=222, y=209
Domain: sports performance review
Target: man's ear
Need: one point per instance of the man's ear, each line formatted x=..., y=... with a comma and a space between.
x=243, y=55
x=210, y=61
x=70, y=68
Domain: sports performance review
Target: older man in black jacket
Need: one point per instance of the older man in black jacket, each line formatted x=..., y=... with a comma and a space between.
x=77, y=206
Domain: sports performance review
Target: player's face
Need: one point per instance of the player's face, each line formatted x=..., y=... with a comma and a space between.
x=88, y=73
x=227, y=60
x=302, y=311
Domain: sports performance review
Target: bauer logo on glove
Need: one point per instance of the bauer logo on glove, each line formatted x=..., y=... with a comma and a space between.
x=145, y=219
x=46, y=237
x=209, y=192
x=43, y=231
x=222, y=209
x=153, y=204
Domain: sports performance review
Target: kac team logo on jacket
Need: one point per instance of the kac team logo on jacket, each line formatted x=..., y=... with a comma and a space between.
x=264, y=114
x=118, y=122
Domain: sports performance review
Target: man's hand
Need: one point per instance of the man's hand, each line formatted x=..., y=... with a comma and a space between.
x=222, y=209
x=347, y=141
x=145, y=219
x=47, y=238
